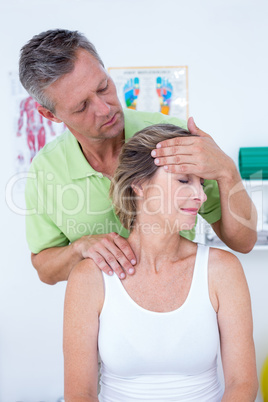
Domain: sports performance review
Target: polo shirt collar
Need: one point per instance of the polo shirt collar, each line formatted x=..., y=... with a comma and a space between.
x=77, y=164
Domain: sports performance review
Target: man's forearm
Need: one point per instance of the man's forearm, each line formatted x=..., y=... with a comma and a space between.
x=55, y=264
x=110, y=252
x=238, y=223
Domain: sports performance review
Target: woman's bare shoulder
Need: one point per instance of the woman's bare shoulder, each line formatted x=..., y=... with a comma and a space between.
x=85, y=270
x=86, y=282
x=226, y=276
x=222, y=261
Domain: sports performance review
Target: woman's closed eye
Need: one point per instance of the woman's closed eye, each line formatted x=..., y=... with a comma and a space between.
x=186, y=181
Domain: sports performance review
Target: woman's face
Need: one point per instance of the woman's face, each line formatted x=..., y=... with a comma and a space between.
x=173, y=198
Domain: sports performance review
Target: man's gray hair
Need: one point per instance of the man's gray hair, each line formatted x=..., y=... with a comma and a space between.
x=47, y=57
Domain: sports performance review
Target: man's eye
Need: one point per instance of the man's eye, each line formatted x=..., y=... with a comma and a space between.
x=104, y=89
x=184, y=181
x=202, y=182
x=83, y=108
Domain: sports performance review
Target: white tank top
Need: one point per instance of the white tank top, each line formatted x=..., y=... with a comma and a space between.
x=150, y=356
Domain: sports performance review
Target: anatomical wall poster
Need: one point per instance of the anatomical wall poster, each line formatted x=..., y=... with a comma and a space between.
x=153, y=89
x=30, y=130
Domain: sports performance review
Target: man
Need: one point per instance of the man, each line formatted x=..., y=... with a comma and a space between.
x=70, y=216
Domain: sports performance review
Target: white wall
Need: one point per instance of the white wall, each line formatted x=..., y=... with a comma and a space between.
x=224, y=43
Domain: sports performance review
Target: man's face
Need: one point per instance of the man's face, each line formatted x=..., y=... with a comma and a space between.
x=86, y=100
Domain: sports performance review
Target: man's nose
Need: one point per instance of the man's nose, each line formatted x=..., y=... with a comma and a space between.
x=102, y=108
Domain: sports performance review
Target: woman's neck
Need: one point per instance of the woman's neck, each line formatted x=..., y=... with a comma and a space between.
x=154, y=247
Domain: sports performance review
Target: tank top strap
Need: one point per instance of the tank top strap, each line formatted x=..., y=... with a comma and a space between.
x=114, y=293
x=199, y=286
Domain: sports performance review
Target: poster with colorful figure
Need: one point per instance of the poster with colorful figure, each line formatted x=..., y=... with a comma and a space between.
x=153, y=89
x=31, y=130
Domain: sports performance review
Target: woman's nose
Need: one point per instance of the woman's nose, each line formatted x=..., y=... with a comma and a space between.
x=200, y=193
x=204, y=196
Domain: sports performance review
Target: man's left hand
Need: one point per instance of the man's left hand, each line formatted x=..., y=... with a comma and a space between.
x=193, y=155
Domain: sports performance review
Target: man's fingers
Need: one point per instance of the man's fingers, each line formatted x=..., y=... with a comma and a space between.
x=185, y=169
x=124, y=246
x=113, y=252
x=172, y=150
x=107, y=262
x=192, y=127
x=116, y=256
x=177, y=141
x=100, y=262
x=110, y=252
x=176, y=160
x=172, y=144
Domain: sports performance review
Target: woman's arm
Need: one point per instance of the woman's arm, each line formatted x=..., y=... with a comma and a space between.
x=83, y=302
x=232, y=301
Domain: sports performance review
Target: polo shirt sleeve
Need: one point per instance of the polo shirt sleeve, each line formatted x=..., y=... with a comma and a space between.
x=211, y=209
x=41, y=231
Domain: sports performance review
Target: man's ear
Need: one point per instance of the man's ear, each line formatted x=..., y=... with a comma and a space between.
x=137, y=188
x=47, y=114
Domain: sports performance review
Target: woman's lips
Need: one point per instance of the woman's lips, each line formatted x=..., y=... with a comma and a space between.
x=191, y=211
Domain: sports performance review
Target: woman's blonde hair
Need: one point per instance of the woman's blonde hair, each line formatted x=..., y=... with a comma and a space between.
x=136, y=165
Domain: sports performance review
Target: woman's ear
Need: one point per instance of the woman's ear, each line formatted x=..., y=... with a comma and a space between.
x=137, y=188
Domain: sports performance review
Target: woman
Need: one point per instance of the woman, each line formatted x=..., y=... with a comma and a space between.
x=158, y=332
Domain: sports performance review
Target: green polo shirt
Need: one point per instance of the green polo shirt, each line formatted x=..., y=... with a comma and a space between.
x=67, y=199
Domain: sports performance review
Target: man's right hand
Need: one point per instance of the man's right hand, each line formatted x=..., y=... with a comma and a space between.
x=110, y=252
